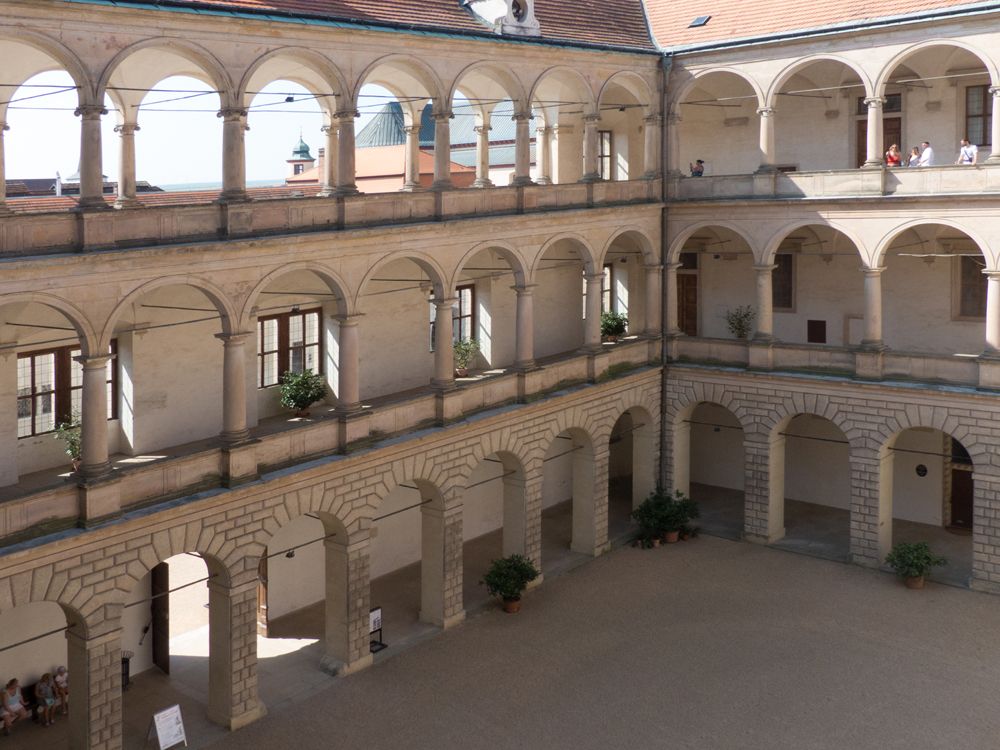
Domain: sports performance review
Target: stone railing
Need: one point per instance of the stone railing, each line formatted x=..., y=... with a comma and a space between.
x=962, y=370
x=62, y=231
x=844, y=183
x=51, y=502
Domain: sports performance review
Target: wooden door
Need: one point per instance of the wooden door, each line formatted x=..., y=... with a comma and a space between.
x=892, y=132
x=262, y=596
x=687, y=303
x=961, y=498
x=160, y=615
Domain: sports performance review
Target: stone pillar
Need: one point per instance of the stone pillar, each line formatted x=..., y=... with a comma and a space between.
x=330, y=160
x=232, y=654
x=654, y=318
x=671, y=300
x=994, y=157
x=533, y=480
x=126, y=167
x=91, y=178
x=346, y=180
x=592, y=325
x=590, y=144
x=652, y=126
x=543, y=141
x=4, y=127
x=674, y=144
x=95, y=711
x=444, y=355
x=349, y=393
x=871, y=518
x=442, y=151
x=234, y=384
x=525, y=344
x=992, y=313
x=94, y=417
x=874, y=150
x=483, y=156
x=767, y=154
x=985, y=531
x=514, y=514
x=234, y=161
x=873, y=308
x=441, y=563
x=348, y=599
x=586, y=494
x=765, y=303
x=522, y=149
x=764, y=487
x=411, y=158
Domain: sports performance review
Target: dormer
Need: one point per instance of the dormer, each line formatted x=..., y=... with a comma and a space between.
x=509, y=17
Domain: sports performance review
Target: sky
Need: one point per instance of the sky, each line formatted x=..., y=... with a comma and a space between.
x=178, y=142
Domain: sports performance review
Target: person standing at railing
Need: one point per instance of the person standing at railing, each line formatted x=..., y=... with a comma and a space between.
x=893, y=157
x=698, y=168
x=914, y=160
x=968, y=153
x=926, y=155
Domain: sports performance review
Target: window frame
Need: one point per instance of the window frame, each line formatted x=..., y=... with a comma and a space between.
x=986, y=116
x=605, y=159
x=458, y=314
x=284, y=347
x=958, y=290
x=608, y=302
x=775, y=307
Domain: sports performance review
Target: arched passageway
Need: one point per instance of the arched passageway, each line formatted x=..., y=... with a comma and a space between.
x=559, y=316
x=631, y=467
x=568, y=500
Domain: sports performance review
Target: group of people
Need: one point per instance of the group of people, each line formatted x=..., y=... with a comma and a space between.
x=923, y=155
x=51, y=692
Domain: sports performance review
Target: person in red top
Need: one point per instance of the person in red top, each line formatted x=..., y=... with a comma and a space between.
x=893, y=158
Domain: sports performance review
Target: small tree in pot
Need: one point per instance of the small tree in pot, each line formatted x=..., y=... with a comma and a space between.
x=613, y=325
x=912, y=562
x=507, y=579
x=464, y=351
x=300, y=390
x=70, y=434
x=739, y=320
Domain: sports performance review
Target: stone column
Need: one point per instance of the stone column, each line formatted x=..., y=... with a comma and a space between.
x=764, y=487
x=441, y=563
x=525, y=344
x=992, y=312
x=232, y=654
x=349, y=395
x=95, y=711
x=94, y=416
x=4, y=127
x=442, y=151
x=330, y=160
x=91, y=178
x=652, y=126
x=514, y=514
x=444, y=356
x=522, y=149
x=346, y=179
x=533, y=481
x=765, y=303
x=671, y=300
x=411, y=159
x=126, y=167
x=543, y=140
x=767, y=155
x=985, y=530
x=482, y=157
x=994, y=157
x=674, y=144
x=590, y=169
x=234, y=385
x=654, y=274
x=348, y=599
x=234, y=161
x=873, y=309
x=592, y=325
x=874, y=150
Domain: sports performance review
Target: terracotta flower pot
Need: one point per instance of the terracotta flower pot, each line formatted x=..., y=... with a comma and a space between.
x=76, y=464
x=461, y=372
x=656, y=542
x=512, y=606
x=671, y=537
x=302, y=413
x=914, y=582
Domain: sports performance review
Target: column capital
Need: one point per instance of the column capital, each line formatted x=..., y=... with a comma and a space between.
x=345, y=115
x=594, y=277
x=764, y=267
x=873, y=271
x=233, y=339
x=4, y=127
x=765, y=111
x=655, y=267
x=445, y=301
x=327, y=129
x=653, y=119
x=351, y=319
x=127, y=129
x=592, y=118
x=673, y=266
x=90, y=111
x=480, y=129
x=93, y=362
x=411, y=129
x=232, y=113
x=544, y=130
x=991, y=273
x=521, y=116
x=675, y=117
x=874, y=102
x=442, y=116
x=995, y=91
x=524, y=289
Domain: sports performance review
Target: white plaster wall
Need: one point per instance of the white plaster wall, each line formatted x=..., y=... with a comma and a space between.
x=396, y=541
x=134, y=619
x=722, y=285
x=806, y=137
x=817, y=471
x=567, y=152
x=293, y=583
x=620, y=448
x=32, y=660
x=717, y=457
x=558, y=308
x=831, y=291
x=482, y=508
x=497, y=316
x=557, y=480
x=918, y=498
x=703, y=133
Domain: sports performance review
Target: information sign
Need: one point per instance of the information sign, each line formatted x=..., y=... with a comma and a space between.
x=169, y=727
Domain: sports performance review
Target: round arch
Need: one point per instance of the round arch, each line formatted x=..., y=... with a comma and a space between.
x=885, y=243
x=634, y=84
x=428, y=265
x=697, y=77
x=645, y=245
x=406, y=67
x=491, y=75
x=76, y=317
x=329, y=277
x=889, y=68
x=677, y=244
x=772, y=245
x=323, y=77
x=790, y=70
x=572, y=78
x=509, y=253
x=586, y=252
x=60, y=54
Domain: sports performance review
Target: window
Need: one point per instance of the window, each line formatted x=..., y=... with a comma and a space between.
x=972, y=288
x=463, y=313
x=288, y=343
x=604, y=154
x=816, y=331
x=50, y=388
x=978, y=115
x=607, y=289
x=893, y=103
x=783, y=282
x=298, y=168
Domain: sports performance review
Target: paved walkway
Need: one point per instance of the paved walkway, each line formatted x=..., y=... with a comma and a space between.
x=704, y=644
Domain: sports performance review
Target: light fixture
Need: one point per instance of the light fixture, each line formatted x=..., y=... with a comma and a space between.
x=290, y=554
x=289, y=99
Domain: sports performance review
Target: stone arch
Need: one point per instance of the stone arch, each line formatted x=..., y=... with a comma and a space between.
x=325, y=75
x=677, y=244
x=42, y=585
x=327, y=275
x=571, y=77
x=227, y=310
x=779, y=236
x=509, y=253
x=60, y=54
x=798, y=65
x=498, y=75
x=405, y=66
x=694, y=78
x=889, y=68
x=427, y=264
x=642, y=441
x=883, y=245
x=646, y=247
x=635, y=85
x=938, y=418
x=89, y=343
x=587, y=256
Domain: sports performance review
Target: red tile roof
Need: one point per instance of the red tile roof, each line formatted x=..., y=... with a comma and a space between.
x=606, y=22
x=737, y=19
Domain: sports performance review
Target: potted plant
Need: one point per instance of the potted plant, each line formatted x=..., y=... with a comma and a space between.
x=465, y=350
x=648, y=516
x=507, y=579
x=739, y=320
x=300, y=390
x=912, y=561
x=613, y=326
x=69, y=433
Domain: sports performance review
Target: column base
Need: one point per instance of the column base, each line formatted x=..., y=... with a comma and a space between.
x=92, y=204
x=334, y=666
x=992, y=159
x=528, y=384
x=327, y=192
x=522, y=182
x=346, y=190
x=989, y=370
x=235, y=196
x=411, y=188
x=544, y=181
x=232, y=723
x=239, y=462
x=353, y=426
x=448, y=405
x=877, y=164
x=442, y=185
x=671, y=345
x=593, y=177
x=597, y=365
x=869, y=360
x=760, y=353
x=124, y=203
x=99, y=499
x=483, y=183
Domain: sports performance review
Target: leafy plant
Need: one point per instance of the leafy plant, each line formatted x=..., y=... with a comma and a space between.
x=739, y=320
x=508, y=577
x=913, y=559
x=71, y=435
x=661, y=513
x=465, y=350
x=613, y=324
x=300, y=390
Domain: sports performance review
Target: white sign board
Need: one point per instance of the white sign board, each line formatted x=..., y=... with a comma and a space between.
x=169, y=727
x=375, y=620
